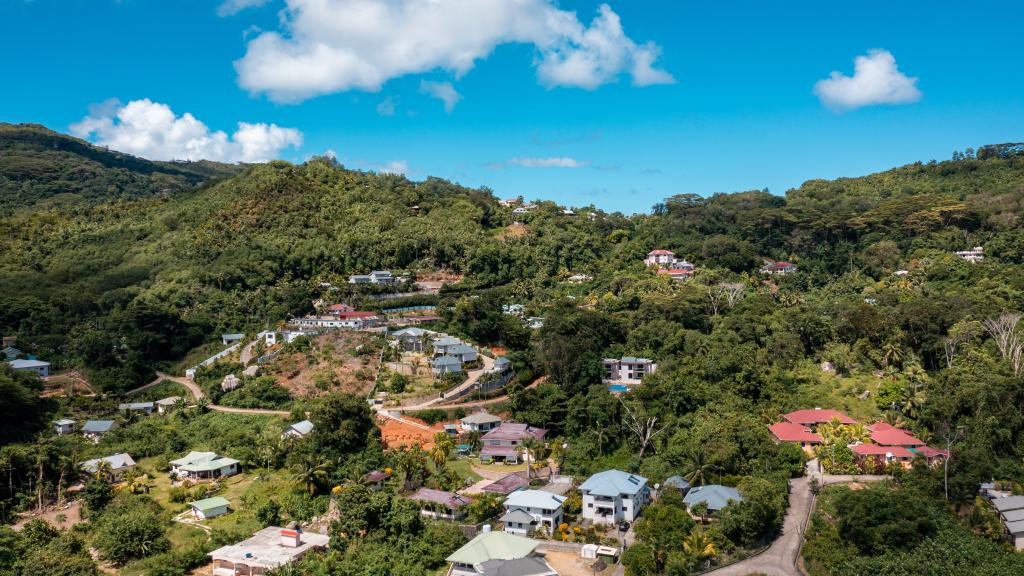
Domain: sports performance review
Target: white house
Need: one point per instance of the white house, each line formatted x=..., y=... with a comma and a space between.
x=612, y=496
x=445, y=365
x=628, y=369
x=409, y=339
x=95, y=429
x=660, y=258
x=146, y=407
x=542, y=510
x=165, y=405
x=780, y=268
x=209, y=507
x=479, y=422
x=41, y=368
x=203, y=466
x=977, y=254
x=443, y=343
x=116, y=465
x=298, y=430
x=64, y=426
x=464, y=352
x=227, y=339
x=499, y=554
x=375, y=277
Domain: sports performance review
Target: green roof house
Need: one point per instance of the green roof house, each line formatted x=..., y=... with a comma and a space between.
x=499, y=553
x=209, y=507
x=203, y=466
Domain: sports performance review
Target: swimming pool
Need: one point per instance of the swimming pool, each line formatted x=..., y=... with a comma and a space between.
x=617, y=388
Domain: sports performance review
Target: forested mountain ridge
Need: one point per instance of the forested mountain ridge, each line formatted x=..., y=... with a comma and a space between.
x=38, y=164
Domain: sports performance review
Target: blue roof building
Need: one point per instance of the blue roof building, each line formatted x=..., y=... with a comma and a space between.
x=715, y=495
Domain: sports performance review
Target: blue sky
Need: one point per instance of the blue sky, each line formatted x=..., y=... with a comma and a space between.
x=723, y=100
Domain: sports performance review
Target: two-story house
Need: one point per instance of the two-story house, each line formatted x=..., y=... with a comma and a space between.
x=527, y=510
x=612, y=496
x=627, y=370
x=482, y=421
x=504, y=443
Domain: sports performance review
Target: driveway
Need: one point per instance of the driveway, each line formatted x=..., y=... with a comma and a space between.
x=471, y=378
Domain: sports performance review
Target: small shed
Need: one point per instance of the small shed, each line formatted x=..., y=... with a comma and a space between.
x=64, y=426
x=209, y=507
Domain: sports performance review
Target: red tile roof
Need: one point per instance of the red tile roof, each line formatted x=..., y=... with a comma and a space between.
x=661, y=253
x=790, y=432
x=875, y=450
x=929, y=452
x=879, y=426
x=817, y=416
x=895, y=437
x=355, y=314
x=451, y=500
x=509, y=431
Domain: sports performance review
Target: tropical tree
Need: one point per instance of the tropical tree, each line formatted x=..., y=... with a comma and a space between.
x=443, y=446
x=699, y=547
x=697, y=466
x=531, y=447
x=312, y=471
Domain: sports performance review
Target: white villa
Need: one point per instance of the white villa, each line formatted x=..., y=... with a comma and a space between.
x=445, y=365
x=479, y=422
x=527, y=510
x=627, y=370
x=612, y=496
x=375, y=277
x=976, y=254
x=203, y=466
x=298, y=430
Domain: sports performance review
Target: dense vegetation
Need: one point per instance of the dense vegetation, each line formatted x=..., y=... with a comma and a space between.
x=121, y=285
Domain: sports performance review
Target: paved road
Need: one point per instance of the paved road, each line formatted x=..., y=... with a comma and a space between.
x=471, y=378
x=197, y=394
x=780, y=558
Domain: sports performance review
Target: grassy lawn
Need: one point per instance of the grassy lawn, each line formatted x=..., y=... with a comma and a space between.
x=462, y=467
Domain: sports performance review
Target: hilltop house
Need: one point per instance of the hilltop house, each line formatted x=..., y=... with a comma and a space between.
x=209, y=507
x=627, y=370
x=146, y=407
x=64, y=426
x=1011, y=513
x=353, y=320
x=440, y=504
x=298, y=430
x=227, y=339
x=891, y=444
x=95, y=429
x=780, y=268
x=196, y=466
x=464, y=352
x=679, y=275
x=715, y=496
x=265, y=550
x=660, y=258
x=508, y=484
x=976, y=254
x=445, y=365
x=796, y=433
x=499, y=554
x=612, y=496
x=41, y=369
x=443, y=343
x=409, y=339
x=479, y=422
x=375, y=277
x=115, y=465
x=504, y=443
x=527, y=510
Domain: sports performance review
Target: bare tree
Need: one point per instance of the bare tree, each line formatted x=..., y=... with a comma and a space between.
x=714, y=299
x=950, y=435
x=733, y=292
x=643, y=426
x=1003, y=329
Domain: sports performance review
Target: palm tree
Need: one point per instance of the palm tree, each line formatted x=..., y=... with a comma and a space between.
x=697, y=467
x=911, y=401
x=531, y=446
x=700, y=547
x=104, y=471
x=312, y=471
x=443, y=446
x=891, y=353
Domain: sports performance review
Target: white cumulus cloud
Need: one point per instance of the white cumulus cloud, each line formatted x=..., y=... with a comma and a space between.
x=443, y=91
x=551, y=162
x=152, y=130
x=232, y=7
x=400, y=167
x=876, y=80
x=387, y=106
x=327, y=46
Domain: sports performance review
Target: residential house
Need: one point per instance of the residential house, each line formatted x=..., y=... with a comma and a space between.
x=293, y=335
x=509, y=202
x=504, y=443
x=678, y=483
x=895, y=437
x=10, y=353
x=197, y=466
x=375, y=479
x=440, y=504
x=479, y=422
x=64, y=426
x=116, y=466
x=146, y=407
x=527, y=510
x=409, y=339
x=508, y=484
x=375, y=277
x=464, y=352
x=612, y=496
x=579, y=278
x=797, y=434
x=209, y=508
x=499, y=554
x=813, y=417
x=660, y=258
x=445, y=365
x=676, y=274
x=1011, y=512
x=627, y=370
x=354, y=320
x=40, y=368
x=882, y=455
x=442, y=344
x=266, y=550
x=513, y=309
x=298, y=430
x=714, y=495
x=165, y=405
x=269, y=337
x=780, y=268
x=525, y=209
x=976, y=254
x=227, y=339
x=95, y=429
x=534, y=322
x=230, y=382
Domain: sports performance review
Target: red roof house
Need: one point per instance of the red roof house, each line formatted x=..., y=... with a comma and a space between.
x=790, y=432
x=817, y=416
x=895, y=452
x=895, y=437
x=880, y=425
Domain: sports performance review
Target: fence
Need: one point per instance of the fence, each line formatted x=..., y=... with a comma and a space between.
x=214, y=358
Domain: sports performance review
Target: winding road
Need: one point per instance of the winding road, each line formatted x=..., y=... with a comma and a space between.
x=198, y=394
